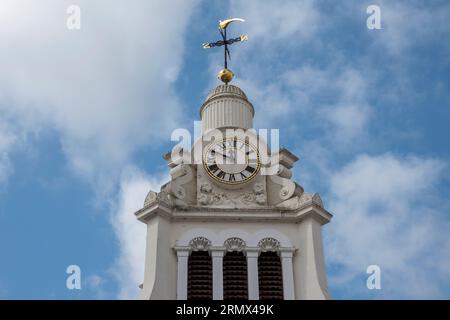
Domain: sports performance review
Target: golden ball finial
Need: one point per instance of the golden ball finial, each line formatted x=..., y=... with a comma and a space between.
x=225, y=75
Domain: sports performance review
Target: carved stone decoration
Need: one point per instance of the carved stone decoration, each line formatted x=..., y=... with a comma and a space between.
x=280, y=189
x=150, y=198
x=304, y=199
x=317, y=200
x=182, y=176
x=164, y=195
x=284, y=172
x=200, y=244
x=269, y=244
x=260, y=197
x=308, y=198
x=206, y=188
x=234, y=244
x=208, y=196
x=258, y=188
x=204, y=200
x=180, y=193
x=289, y=204
x=247, y=198
x=219, y=198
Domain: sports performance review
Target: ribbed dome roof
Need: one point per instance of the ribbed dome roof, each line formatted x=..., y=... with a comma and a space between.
x=226, y=89
x=226, y=106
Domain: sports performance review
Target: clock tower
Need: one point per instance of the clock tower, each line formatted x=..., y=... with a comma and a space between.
x=231, y=223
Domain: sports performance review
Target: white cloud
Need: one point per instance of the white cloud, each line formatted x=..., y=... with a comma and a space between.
x=7, y=141
x=332, y=95
x=106, y=90
x=384, y=208
x=406, y=25
x=349, y=122
x=333, y=99
x=278, y=20
x=385, y=213
x=100, y=87
x=269, y=25
x=336, y=96
x=95, y=283
x=129, y=267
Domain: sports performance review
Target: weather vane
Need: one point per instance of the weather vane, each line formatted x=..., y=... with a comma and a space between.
x=225, y=74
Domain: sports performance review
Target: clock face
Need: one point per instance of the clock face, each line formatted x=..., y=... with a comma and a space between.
x=231, y=161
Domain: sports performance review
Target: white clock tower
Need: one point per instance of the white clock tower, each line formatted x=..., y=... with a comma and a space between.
x=231, y=223
x=227, y=226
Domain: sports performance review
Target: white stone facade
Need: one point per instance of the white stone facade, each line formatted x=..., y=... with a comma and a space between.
x=271, y=213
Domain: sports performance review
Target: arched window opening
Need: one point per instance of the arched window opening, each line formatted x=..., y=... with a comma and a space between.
x=235, y=270
x=199, y=276
x=200, y=284
x=270, y=276
x=235, y=276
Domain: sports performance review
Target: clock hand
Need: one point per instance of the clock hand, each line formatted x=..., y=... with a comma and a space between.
x=223, y=155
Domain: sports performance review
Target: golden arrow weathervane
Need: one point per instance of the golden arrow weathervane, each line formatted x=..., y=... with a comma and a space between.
x=225, y=74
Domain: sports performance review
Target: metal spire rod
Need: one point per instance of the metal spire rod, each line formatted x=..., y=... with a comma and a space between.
x=225, y=75
x=226, y=48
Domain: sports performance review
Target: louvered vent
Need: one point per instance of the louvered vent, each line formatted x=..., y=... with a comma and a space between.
x=270, y=276
x=199, y=276
x=235, y=276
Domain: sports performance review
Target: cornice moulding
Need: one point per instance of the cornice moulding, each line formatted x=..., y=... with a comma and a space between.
x=208, y=214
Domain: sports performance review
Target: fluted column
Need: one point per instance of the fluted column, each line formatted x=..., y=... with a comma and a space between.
x=288, y=275
x=217, y=270
x=182, y=274
x=252, y=274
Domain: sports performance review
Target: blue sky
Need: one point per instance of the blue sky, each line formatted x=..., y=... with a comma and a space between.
x=86, y=115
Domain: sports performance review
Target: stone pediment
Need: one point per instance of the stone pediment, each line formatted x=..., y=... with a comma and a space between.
x=193, y=186
x=190, y=187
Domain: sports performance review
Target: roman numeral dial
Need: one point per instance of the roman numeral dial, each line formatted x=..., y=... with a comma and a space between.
x=231, y=161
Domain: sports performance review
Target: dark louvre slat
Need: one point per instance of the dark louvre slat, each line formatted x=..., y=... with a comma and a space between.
x=199, y=276
x=235, y=276
x=270, y=276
